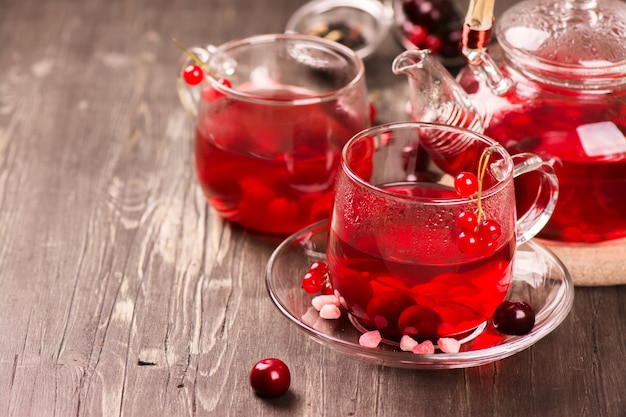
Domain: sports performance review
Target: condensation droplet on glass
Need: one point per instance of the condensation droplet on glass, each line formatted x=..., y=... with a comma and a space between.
x=435, y=220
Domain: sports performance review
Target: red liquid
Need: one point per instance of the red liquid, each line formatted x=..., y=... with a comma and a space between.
x=592, y=196
x=426, y=300
x=272, y=167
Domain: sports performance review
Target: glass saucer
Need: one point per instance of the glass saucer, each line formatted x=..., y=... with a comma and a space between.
x=539, y=278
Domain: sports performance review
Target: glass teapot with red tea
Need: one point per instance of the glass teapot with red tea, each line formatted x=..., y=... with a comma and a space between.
x=555, y=85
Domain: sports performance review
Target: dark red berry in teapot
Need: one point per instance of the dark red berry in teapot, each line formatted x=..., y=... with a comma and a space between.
x=270, y=377
x=514, y=318
x=430, y=13
x=431, y=24
x=451, y=43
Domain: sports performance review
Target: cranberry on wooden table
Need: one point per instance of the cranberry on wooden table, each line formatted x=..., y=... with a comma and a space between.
x=270, y=377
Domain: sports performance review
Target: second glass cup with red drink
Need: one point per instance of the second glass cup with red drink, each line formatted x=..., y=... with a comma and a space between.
x=272, y=115
x=424, y=228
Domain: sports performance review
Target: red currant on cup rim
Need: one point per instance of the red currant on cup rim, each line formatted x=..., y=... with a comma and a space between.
x=225, y=83
x=193, y=74
x=270, y=377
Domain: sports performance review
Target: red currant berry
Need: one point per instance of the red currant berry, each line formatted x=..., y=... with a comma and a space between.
x=315, y=278
x=372, y=113
x=490, y=230
x=488, y=247
x=514, y=318
x=193, y=74
x=467, y=220
x=319, y=268
x=469, y=243
x=466, y=184
x=211, y=94
x=386, y=138
x=327, y=288
x=270, y=377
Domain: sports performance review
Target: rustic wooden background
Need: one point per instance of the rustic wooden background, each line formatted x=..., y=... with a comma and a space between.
x=123, y=294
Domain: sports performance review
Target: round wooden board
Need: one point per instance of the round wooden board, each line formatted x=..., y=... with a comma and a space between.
x=593, y=264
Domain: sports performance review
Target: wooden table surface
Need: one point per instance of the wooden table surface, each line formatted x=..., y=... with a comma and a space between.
x=123, y=294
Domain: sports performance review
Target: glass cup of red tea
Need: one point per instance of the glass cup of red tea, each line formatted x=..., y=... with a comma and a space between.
x=272, y=115
x=424, y=228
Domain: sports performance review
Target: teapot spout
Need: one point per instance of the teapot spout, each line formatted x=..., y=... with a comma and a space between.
x=434, y=94
x=408, y=61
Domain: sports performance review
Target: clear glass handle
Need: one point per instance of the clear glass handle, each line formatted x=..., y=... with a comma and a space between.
x=536, y=217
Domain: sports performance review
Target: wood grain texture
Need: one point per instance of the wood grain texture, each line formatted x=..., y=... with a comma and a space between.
x=123, y=294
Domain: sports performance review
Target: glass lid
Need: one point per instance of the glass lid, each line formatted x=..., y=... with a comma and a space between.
x=567, y=40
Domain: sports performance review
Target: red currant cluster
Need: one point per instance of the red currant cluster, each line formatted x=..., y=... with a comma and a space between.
x=317, y=279
x=193, y=74
x=478, y=235
x=418, y=35
x=477, y=238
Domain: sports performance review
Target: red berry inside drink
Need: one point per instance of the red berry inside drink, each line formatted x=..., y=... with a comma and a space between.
x=588, y=145
x=403, y=278
x=269, y=164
